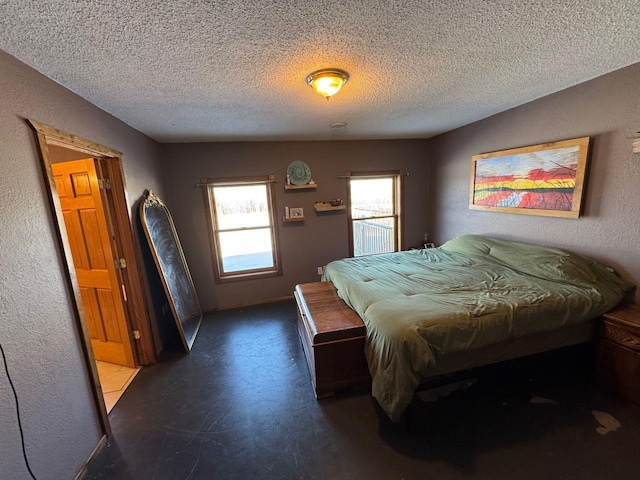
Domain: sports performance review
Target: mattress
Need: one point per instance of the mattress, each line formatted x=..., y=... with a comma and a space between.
x=428, y=311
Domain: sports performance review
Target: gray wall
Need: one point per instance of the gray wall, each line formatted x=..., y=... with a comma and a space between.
x=304, y=247
x=37, y=328
x=607, y=109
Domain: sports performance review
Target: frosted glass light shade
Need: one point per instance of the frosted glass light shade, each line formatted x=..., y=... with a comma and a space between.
x=327, y=82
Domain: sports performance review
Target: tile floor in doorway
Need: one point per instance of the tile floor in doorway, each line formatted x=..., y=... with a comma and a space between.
x=114, y=380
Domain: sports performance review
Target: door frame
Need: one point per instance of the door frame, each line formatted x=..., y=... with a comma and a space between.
x=117, y=209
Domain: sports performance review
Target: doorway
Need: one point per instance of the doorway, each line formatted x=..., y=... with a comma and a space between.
x=87, y=194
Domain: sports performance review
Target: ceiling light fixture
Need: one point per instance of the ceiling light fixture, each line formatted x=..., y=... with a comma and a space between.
x=327, y=81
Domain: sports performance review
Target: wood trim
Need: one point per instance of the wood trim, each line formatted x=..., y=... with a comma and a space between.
x=398, y=204
x=349, y=217
x=400, y=211
x=211, y=216
x=213, y=243
x=72, y=282
x=248, y=275
x=128, y=247
x=139, y=314
x=101, y=444
x=275, y=231
x=136, y=281
x=231, y=181
x=306, y=186
x=374, y=173
x=584, y=154
x=359, y=219
x=64, y=139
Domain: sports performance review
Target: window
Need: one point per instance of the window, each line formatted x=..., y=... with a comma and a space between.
x=241, y=228
x=374, y=212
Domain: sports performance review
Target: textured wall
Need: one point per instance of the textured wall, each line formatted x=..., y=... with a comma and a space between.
x=37, y=328
x=320, y=239
x=606, y=109
x=417, y=67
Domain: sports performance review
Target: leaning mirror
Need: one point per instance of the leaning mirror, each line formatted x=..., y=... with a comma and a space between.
x=169, y=258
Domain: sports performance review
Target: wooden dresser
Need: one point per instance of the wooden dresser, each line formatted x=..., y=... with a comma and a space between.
x=333, y=337
x=618, y=361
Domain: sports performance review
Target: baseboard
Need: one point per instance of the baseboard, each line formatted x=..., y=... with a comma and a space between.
x=94, y=454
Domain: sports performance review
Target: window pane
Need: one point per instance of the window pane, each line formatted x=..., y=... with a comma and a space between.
x=372, y=197
x=373, y=236
x=246, y=249
x=241, y=206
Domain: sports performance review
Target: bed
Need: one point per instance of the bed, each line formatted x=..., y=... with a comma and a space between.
x=471, y=302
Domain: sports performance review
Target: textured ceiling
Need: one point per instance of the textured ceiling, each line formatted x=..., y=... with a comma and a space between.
x=183, y=71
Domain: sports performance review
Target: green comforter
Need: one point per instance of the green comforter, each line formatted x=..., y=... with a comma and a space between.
x=470, y=293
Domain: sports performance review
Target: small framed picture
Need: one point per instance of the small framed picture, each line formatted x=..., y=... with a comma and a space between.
x=297, y=213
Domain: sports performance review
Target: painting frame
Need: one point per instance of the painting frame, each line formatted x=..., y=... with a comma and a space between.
x=555, y=192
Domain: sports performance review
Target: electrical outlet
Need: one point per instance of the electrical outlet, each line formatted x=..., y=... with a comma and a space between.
x=320, y=270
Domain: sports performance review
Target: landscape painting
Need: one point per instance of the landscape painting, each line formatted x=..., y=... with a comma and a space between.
x=545, y=179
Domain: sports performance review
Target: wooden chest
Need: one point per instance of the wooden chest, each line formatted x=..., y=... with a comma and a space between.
x=332, y=336
x=618, y=363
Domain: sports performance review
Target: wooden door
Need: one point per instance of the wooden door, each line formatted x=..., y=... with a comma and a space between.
x=92, y=249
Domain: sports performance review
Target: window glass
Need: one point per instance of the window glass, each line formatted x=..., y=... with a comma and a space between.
x=243, y=236
x=372, y=197
x=246, y=250
x=373, y=236
x=373, y=205
x=241, y=206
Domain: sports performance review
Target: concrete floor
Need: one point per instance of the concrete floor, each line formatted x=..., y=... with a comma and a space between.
x=241, y=406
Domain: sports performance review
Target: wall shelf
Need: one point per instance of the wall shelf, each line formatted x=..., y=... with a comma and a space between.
x=293, y=219
x=326, y=207
x=308, y=186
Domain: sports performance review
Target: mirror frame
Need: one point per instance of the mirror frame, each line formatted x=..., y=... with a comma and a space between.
x=152, y=201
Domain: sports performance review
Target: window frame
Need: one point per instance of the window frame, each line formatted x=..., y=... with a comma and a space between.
x=398, y=204
x=219, y=275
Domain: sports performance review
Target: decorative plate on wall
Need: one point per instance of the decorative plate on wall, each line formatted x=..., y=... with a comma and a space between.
x=299, y=173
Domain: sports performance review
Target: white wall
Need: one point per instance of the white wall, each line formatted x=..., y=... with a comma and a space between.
x=37, y=328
